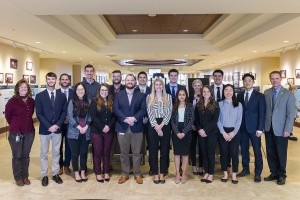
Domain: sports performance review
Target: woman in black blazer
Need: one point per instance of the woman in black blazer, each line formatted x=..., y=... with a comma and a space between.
x=206, y=119
x=182, y=121
x=103, y=121
x=193, y=99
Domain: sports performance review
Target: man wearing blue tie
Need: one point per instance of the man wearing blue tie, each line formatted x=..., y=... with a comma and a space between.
x=254, y=110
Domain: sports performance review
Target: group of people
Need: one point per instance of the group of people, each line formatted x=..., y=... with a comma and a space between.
x=102, y=114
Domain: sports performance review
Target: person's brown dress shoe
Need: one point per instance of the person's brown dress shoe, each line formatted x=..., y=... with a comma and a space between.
x=67, y=170
x=138, y=179
x=61, y=171
x=20, y=183
x=26, y=181
x=123, y=179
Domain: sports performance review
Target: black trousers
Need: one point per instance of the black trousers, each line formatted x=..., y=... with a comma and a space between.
x=276, y=153
x=20, y=154
x=79, y=147
x=156, y=143
x=208, y=146
x=64, y=142
x=193, y=149
x=231, y=147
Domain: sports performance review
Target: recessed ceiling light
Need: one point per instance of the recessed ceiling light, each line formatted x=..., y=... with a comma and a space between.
x=130, y=55
x=64, y=51
x=108, y=56
x=234, y=57
x=80, y=58
x=185, y=55
x=185, y=30
x=134, y=30
x=99, y=65
x=285, y=41
x=222, y=61
x=91, y=62
x=105, y=67
x=38, y=42
x=254, y=51
x=152, y=15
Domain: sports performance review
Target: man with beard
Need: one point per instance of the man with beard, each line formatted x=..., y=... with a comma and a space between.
x=130, y=108
x=51, y=110
x=89, y=82
x=115, y=88
x=65, y=83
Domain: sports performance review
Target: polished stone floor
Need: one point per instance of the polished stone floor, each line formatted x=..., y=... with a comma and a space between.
x=193, y=189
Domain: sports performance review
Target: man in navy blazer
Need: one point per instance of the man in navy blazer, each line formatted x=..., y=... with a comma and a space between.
x=65, y=82
x=173, y=86
x=130, y=108
x=254, y=110
x=51, y=110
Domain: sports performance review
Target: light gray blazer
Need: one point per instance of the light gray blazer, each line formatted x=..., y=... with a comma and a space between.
x=282, y=117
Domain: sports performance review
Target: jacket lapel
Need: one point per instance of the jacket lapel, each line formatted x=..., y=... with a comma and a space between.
x=48, y=98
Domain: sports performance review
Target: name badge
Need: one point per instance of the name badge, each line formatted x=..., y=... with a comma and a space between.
x=121, y=133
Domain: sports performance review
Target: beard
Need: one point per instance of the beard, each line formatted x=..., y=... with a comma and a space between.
x=118, y=82
x=65, y=84
x=130, y=87
x=51, y=84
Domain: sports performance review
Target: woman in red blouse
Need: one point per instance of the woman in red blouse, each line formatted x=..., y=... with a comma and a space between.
x=18, y=113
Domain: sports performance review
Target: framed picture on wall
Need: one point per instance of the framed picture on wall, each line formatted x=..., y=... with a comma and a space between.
x=13, y=63
x=29, y=66
x=291, y=81
x=283, y=73
x=26, y=77
x=1, y=78
x=9, y=78
x=32, y=79
x=254, y=74
x=297, y=73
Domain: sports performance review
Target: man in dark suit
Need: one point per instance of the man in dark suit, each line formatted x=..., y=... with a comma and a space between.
x=64, y=82
x=113, y=89
x=130, y=108
x=254, y=111
x=279, y=120
x=173, y=86
x=51, y=110
x=89, y=82
x=143, y=88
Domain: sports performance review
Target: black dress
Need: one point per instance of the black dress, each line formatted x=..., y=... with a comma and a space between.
x=182, y=146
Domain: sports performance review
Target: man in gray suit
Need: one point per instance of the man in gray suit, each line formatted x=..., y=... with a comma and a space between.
x=280, y=113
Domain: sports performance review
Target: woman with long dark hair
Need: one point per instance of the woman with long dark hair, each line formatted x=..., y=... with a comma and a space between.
x=231, y=113
x=79, y=131
x=102, y=132
x=206, y=119
x=18, y=113
x=159, y=108
x=182, y=120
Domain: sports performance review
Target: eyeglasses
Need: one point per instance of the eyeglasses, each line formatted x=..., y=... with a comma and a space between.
x=116, y=76
x=104, y=90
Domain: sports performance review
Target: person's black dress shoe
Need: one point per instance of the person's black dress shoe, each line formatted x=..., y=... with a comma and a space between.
x=195, y=173
x=107, y=179
x=201, y=173
x=150, y=173
x=78, y=181
x=243, y=173
x=84, y=179
x=208, y=181
x=156, y=181
x=271, y=177
x=224, y=180
x=45, y=181
x=234, y=181
x=257, y=179
x=281, y=181
x=292, y=138
x=57, y=179
x=203, y=179
x=162, y=181
x=100, y=181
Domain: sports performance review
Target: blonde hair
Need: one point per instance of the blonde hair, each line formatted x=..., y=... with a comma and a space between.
x=292, y=87
x=153, y=93
x=197, y=81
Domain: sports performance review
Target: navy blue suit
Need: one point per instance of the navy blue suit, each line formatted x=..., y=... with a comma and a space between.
x=253, y=120
x=64, y=129
x=168, y=91
x=49, y=115
x=136, y=109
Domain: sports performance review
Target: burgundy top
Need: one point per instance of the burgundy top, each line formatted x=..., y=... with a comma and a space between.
x=19, y=115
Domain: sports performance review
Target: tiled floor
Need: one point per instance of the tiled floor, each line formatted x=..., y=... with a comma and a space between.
x=193, y=189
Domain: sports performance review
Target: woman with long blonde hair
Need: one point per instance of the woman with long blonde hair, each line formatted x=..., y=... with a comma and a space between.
x=159, y=108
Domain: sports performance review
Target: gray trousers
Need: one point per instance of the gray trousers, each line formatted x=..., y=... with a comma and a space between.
x=135, y=141
x=45, y=142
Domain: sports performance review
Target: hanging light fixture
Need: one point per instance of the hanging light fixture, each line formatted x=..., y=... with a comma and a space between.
x=297, y=46
x=272, y=52
x=25, y=48
x=14, y=44
x=283, y=50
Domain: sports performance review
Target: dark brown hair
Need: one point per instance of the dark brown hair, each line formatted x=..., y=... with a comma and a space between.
x=16, y=90
x=100, y=101
x=176, y=104
x=212, y=104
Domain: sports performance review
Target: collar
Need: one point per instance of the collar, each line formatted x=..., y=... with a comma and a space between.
x=277, y=90
x=249, y=92
x=49, y=92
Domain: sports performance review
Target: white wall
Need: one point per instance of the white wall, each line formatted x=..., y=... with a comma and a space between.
x=289, y=61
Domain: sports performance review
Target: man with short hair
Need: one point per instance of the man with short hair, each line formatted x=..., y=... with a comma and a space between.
x=113, y=89
x=254, y=111
x=218, y=84
x=173, y=86
x=279, y=120
x=64, y=82
x=130, y=108
x=51, y=110
x=89, y=82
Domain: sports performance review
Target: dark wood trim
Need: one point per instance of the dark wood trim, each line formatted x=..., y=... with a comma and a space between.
x=5, y=128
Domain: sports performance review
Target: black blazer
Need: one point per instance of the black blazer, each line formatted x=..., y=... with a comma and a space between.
x=112, y=89
x=101, y=118
x=189, y=118
x=254, y=113
x=207, y=120
x=148, y=90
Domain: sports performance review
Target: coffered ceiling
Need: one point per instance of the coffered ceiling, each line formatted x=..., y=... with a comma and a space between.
x=100, y=31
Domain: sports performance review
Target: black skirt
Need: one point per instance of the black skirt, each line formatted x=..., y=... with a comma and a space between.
x=182, y=146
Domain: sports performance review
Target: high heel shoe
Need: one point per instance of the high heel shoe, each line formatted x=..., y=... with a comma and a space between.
x=156, y=181
x=203, y=179
x=84, y=179
x=177, y=181
x=78, y=181
x=107, y=179
x=234, y=181
x=224, y=180
x=195, y=173
x=100, y=181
